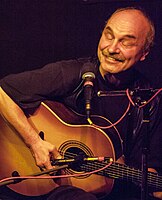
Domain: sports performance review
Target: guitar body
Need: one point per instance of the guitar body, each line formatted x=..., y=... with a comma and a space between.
x=15, y=156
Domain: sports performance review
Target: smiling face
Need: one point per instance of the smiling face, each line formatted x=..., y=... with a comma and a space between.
x=122, y=41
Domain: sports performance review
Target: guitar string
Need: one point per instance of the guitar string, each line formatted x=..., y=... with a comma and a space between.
x=135, y=174
x=153, y=179
x=156, y=184
x=92, y=163
x=131, y=171
x=108, y=168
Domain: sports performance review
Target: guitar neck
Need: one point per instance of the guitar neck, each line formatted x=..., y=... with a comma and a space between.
x=124, y=172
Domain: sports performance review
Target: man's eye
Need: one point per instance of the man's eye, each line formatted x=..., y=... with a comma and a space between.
x=128, y=43
x=109, y=36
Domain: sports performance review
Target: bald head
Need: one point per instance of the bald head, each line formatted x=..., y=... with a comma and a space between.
x=125, y=40
x=139, y=18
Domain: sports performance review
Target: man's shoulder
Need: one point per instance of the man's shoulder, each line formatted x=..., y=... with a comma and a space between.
x=71, y=66
x=72, y=62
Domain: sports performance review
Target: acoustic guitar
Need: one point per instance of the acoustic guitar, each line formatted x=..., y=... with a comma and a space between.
x=71, y=139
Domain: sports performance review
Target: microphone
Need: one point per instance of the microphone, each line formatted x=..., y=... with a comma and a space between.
x=88, y=76
x=80, y=159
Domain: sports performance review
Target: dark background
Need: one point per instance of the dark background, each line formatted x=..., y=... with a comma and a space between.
x=36, y=32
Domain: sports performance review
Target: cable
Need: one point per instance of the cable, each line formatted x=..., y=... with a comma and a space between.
x=148, y=101
x=54, y=177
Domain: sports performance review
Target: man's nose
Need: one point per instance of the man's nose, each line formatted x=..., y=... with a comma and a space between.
x=114, y=46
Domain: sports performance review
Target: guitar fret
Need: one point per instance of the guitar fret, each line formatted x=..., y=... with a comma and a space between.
x=154, y=180
x=120, y=171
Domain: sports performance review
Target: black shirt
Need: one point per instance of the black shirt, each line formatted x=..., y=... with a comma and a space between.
x=62, y=81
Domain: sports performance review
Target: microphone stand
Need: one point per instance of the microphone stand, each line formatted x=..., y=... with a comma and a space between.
x=140, y=96
x=14, y=181
x=145, y=151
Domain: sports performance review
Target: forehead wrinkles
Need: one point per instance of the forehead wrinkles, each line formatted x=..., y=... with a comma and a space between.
x=120, y=27
x=131, y=22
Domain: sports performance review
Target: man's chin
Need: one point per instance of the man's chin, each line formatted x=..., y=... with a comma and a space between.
x=111, y=68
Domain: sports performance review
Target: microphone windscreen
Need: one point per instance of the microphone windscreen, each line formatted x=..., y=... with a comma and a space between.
x=88, y=69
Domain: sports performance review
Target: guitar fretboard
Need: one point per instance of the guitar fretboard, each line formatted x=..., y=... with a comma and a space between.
x=120, y=171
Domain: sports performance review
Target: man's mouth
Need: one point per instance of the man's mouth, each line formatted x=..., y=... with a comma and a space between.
x=113, y=57
x=110, y=58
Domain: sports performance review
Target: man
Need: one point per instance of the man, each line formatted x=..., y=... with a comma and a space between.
x=126, y=39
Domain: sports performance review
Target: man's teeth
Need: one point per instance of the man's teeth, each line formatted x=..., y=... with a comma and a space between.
x=110, y=58
x=113, y=59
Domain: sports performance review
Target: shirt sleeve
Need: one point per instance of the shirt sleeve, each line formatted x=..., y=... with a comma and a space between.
x=28, y=89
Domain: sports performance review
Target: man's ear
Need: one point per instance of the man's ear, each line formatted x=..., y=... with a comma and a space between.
x=144, y=56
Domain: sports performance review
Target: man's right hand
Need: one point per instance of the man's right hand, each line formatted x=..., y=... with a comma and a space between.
x=40, y=149
x=42, y=152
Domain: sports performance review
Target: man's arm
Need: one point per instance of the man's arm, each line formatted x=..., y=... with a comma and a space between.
x=40, y=149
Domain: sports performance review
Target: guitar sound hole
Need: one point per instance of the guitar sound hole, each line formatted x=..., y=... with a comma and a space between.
x=73, y=149
x=78, y=155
